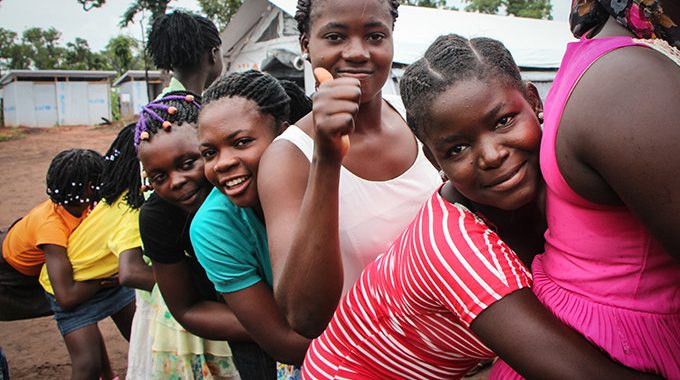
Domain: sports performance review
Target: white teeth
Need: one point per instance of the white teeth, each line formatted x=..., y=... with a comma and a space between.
x=237, y=181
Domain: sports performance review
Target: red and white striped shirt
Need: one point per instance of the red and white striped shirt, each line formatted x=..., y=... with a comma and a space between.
x=409, y=314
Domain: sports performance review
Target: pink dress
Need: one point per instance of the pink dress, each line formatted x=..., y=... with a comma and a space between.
x=602, y=272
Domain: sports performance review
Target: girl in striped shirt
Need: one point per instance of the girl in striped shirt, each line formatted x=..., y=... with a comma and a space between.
x=449, y=292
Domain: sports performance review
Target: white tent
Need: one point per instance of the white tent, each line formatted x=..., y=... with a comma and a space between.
x=263, y=26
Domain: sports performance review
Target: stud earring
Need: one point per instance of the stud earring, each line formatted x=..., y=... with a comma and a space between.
x=305, y=56
x=540, y=117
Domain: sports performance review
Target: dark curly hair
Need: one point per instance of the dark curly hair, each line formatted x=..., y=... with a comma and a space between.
x=178, y=40
x=303, y=14
x=452, y=58
x=74, y=177
x=121, y=170
x=283, y=100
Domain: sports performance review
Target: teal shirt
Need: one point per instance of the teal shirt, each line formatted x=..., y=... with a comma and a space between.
x=230, y=242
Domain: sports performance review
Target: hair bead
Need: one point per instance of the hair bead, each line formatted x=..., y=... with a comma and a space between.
x=172, y=110
x=166, y=125
x=189, y=98
x=144, y=136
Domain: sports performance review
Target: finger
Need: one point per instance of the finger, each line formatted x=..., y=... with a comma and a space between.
x=322, y=75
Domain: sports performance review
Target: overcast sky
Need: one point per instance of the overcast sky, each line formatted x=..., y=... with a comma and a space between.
x=100, y=24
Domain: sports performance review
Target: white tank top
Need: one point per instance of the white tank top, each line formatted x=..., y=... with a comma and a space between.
x=373, y=213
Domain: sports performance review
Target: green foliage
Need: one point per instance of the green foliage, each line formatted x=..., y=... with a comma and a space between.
x=115, y=104
x=89, y=4
x=220, y=11
x=521, y=8
x=483, y=6
x=441, y=4
x=40, y=49
x=155, y=7
x=121, y=52
x=530, y=8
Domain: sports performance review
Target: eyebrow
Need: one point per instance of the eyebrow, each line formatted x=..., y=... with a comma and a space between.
x=342, y=26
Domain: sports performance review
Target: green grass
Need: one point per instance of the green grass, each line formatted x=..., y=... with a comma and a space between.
x=7, y=134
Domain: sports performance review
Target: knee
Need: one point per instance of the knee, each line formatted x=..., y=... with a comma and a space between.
x=86, y=367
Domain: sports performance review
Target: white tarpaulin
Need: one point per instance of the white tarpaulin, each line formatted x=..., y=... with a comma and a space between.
x=533, y=43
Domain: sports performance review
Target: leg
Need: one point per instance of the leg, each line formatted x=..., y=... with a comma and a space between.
x=123, y=319
x=85, y=348
x=107, y=371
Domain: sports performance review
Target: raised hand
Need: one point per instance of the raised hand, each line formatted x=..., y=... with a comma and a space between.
x=336, y=103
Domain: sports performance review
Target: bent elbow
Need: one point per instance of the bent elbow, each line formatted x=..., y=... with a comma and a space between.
x=307, y=325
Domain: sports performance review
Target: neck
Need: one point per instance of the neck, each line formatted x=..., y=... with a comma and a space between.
x=193, y=81
x=611, y=28
x=369, y=115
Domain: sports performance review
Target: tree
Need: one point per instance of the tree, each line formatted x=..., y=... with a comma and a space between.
x=121, y=52
x=45, y=52
x=521, y=8
x=483, y=6
x=78, y=56
x=530, y=8
x=156, y=7
x=220, y=11
x=427, y=3
x=13, y=55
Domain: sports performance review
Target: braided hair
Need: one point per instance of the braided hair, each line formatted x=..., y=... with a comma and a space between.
x=283, y=100
x=303, y=13
x=452, y=58
x=121, y=170
x=178, y=40
x=177, y=107
x=73, y=177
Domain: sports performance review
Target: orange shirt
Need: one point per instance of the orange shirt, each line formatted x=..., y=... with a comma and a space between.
x=47, y=223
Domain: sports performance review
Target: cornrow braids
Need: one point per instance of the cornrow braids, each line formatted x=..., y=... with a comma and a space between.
x=178, y=40
x=452, y=58
x=121, y=170
x=74, y=177
x=177, y=107
x=281, y=100
x=303, y=13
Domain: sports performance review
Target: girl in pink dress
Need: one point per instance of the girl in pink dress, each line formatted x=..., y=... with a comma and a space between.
x=611, y=268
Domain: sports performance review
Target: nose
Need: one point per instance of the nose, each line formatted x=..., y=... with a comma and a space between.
x=356, y=50
x=492, y=153
x=225, y=162
x=177, y=180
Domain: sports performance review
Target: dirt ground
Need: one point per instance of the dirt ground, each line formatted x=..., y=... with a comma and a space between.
x=34, y=348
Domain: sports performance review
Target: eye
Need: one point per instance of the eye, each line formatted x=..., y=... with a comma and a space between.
x=243, y=142
x=504, y=121
x=158, y=179
x=187, y=164
x=457, y=150
x=375, y=37
x=208, y=154
x=333, y=37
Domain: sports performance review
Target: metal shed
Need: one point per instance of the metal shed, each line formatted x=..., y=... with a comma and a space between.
x=46, y=98
x=132, y=90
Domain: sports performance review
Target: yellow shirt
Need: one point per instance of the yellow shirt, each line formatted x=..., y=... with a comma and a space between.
x=94, y=247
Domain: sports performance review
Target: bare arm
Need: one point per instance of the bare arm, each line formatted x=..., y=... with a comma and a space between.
x=207, y=319
x=68, y=292
x=531, y=340
x=133, y=272
x=255, y=308
x=629, y=141
x=302, y=217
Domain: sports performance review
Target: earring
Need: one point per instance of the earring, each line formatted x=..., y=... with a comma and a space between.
x=305, y=56
x=540, y=117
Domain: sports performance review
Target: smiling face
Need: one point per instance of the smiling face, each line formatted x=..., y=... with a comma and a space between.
x=352, y=38
x=233, y=134
x=485, y=137
x=174, y=167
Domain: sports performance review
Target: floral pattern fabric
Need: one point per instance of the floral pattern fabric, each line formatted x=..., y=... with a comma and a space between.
x=644, y=18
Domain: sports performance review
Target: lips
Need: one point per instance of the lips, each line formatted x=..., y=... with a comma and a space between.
x=358, y=74
x=235, y=185
x=509, y=179
x=186, y=196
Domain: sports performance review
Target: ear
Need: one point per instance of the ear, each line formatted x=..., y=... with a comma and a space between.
x=282, y=127
x=534, y=97
x=304, y=43
x=214, y=55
